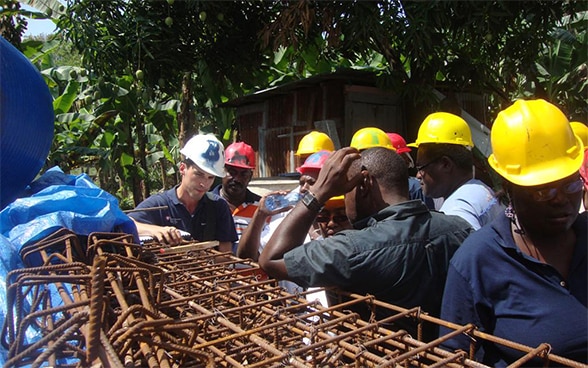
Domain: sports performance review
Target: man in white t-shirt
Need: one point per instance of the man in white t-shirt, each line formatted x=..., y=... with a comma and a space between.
x=445, y=169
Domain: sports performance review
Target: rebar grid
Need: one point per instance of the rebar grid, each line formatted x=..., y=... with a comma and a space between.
x=116, y=303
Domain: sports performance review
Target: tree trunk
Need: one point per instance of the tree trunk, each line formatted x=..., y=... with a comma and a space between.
x=142, y=160
x=186, y=119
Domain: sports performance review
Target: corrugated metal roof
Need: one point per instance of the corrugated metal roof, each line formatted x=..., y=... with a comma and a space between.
x=350, y=76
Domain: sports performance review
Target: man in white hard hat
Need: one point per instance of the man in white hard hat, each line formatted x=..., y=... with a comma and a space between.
x=188, y=206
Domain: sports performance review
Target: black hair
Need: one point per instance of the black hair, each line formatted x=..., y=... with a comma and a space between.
x=388, y=167
x=460, y=155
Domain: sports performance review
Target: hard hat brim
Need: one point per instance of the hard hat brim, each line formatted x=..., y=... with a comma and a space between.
x=543, y=173
x=240, y=166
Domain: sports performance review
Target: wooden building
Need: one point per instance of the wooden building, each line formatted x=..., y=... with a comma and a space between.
x=274, y=120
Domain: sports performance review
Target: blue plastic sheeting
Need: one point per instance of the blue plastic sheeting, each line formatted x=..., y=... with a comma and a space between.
x=9, y=260
x=26, y=121
x=78, y=205
x=57, y=200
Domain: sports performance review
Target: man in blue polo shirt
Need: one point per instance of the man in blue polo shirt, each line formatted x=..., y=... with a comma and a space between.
x=189, y=207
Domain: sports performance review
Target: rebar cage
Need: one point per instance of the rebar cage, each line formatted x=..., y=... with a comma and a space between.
x=109, y=302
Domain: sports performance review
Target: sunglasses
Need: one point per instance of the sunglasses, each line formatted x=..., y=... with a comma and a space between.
x=325, y=219
x=422, y=167
x=547, y=194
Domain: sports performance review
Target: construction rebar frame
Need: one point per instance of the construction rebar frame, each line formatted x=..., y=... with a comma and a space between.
x=113, y=303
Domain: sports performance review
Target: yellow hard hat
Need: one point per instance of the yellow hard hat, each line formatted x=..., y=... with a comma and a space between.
x=314, y=142
x=533, y=144
x=443, y=127
x=335, y=202
x=581, y=130
x=371, y=137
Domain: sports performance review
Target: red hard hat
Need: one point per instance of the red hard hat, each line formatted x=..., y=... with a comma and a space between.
x=398, y=142
x=240, y=154
x=314, y=161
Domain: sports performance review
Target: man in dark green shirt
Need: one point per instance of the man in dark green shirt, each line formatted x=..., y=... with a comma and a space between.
x=399, y=251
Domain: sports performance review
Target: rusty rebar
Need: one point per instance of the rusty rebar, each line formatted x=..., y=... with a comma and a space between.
x=194, y=306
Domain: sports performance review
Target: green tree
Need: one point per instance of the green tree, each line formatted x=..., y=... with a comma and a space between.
x=203, y=53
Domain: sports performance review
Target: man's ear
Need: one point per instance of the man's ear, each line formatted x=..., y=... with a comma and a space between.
x=183, y=168
x=446, y=162
x=365, y=185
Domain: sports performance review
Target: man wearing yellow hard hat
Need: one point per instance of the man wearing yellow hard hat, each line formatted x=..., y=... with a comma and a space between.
x=523, y=277
x=445, y=168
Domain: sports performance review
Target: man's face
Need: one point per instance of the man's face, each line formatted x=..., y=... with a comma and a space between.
x=429, y=173
x=355, y=206
x=195, y=181
x=549, y=209
x=236, y=180
x=332, y=220
x=307, y=180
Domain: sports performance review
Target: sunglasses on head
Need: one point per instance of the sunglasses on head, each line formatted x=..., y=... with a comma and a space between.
x=547, y=194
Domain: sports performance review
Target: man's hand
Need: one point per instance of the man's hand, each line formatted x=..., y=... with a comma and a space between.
x=164, y=234
x=264, y=211
x=168, y=235
x=333, y=179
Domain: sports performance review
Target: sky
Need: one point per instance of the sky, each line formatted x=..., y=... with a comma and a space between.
x=37, y=26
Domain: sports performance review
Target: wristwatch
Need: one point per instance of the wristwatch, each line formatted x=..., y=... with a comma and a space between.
x=311, y=202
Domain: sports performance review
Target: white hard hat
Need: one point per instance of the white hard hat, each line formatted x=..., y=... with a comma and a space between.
x=207, y=152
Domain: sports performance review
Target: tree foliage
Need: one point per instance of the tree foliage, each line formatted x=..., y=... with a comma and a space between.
x=156, y=71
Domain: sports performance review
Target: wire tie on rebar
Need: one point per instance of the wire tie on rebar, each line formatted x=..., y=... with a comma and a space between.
x=218, y=313
x=361, y=350
x=546, y=351
x=277, y=312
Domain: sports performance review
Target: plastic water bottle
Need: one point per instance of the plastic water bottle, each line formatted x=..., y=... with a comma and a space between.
x=275, y=202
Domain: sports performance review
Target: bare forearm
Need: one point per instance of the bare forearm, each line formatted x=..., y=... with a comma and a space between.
x=290, y=234
x=249, y=243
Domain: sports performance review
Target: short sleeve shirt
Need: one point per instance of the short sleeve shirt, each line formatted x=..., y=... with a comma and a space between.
x=475, y=202
x=211, y=211
x=509, y=294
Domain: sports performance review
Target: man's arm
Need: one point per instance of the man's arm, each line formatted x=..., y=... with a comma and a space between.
x=250, y=241
x=291, y=233
x=225, y=247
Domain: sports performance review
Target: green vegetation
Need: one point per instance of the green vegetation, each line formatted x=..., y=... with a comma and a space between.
x=132, y=79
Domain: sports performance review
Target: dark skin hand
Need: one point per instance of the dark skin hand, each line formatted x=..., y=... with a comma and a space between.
x=333, y=180
x=250, y=239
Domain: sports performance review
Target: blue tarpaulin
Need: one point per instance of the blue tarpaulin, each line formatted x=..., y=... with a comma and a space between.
x=56, y=201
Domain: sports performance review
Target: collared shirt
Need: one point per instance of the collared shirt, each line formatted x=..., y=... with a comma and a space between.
x=400, y=255
x=475, y=202
x=509, y=294
x=211, y=208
